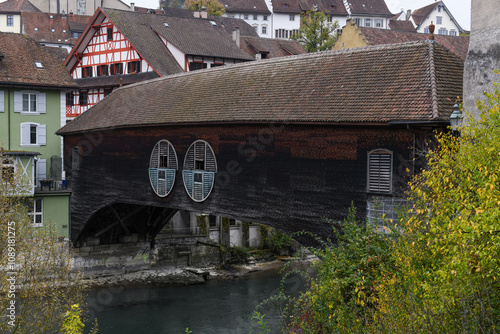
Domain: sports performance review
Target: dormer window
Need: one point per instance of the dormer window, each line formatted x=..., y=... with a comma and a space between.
x=53, y=30
x=38, y=65
x=213, y=23
x=36, y=29
x=285, y=5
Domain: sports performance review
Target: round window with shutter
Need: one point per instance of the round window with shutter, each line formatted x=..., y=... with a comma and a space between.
x=199, y=170
x=163, y=166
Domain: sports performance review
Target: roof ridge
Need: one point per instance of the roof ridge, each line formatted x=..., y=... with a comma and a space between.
x=432, y=70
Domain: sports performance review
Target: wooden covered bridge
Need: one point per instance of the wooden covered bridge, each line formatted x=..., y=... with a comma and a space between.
x=283, y=142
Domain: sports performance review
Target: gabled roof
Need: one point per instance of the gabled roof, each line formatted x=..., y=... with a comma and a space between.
x=458, y=45
x=12, y=6
x=192, y=36
x=413, y=82
x=402, y=25
x=331, y=7
x=271, y=47
x=245, y=6
x=18, y=66
x=420, y=15
x=53, y=28
x=369, y=8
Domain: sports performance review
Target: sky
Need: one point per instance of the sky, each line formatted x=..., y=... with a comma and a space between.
x=460, y=9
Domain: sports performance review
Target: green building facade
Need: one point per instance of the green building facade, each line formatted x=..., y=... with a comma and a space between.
x=33, y=86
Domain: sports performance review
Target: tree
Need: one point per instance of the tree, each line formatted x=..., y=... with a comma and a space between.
x=316, y=33
x=37, y=281
x=171, y=3
x=213, y=7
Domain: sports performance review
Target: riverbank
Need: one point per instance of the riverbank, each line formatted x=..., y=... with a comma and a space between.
x=180, y=276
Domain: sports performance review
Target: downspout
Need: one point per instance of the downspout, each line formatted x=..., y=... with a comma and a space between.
x=8, y=118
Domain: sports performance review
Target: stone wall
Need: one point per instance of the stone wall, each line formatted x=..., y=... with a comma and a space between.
x=484, y=52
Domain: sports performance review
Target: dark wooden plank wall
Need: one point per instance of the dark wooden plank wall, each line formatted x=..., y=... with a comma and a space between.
x=285, y=176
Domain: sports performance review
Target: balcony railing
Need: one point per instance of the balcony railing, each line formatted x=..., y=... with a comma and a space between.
x=52, y=184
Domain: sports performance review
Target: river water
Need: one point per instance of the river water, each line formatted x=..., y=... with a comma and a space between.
x=218, y=306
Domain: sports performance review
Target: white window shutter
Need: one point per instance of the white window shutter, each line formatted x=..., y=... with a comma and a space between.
x=2, y=108
x=41, y=132
x=41, y=169
x=41, y=103
x=25, y=133
x=18, y=101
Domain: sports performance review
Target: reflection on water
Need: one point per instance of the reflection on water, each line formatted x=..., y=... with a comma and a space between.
x=214, y=307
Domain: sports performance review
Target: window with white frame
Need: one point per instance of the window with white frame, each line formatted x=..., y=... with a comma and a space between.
x=292, y=17
x=33, y=134
x=255, y=17
x=439, y=20
x=264, y=30
x=29, y=102
x=255, y=27
x=453, y=32
x=199, y=170
x=379, y=171
x=443, y=31
x=358, y=22
x=245, y=16
x=368, y=22
x=379, y=23
x=10, y=20
x=426, y=30
x=36, y=211
x=264, y=18
x=2, y=101
x=41, y=169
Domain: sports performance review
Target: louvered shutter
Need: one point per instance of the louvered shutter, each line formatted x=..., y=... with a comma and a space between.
x=187, y=176
x=153, y=178
x=210, y=163
x=2, y=99
x=41, y=132
x=41, y=104
x=41, y=169
x=189, y=160
x=380, y=172
x=25, y=134
x=18, y=101
x=208, y=182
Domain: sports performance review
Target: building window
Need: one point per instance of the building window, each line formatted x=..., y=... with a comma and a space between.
x=379, y=171
x=163, y=167
x=368, y=23
x=29, y=102
x=87, y=72
x=7, y=170
x=110, y=33
x=439, y=9
x=264, y=18
x=33, y=134
x=292, y=17
x=264, y=30
x=439, y=20
x=196, y=66
x=102, y=70
x=379, y=23
x=10, y=20
x=70, y=99
x=255, y=17
x=256, y=28
x=199, y=170
x=426, y=30
x=245, y=16
x=329, y=18
x=36, y=211
x=453, y=32
x=107, y=91
x=116, y=68
x=358, y=22
x=76, y=34
x=83, y=97
x=443, y=31
x=134, y=67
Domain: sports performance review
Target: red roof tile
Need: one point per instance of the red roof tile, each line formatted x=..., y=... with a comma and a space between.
x=18, y=6
x=417, y=81
x=18, y=67
x=369, y=7
x=53, y=28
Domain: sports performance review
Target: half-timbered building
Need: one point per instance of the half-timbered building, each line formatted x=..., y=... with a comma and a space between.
x=122, y=47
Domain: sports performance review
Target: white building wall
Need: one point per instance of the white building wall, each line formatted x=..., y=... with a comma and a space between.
x=282, y=21
x=447, y=23
x=263, y=20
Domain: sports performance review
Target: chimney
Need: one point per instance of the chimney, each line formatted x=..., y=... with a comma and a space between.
x=196, y=14
x=132, y=6
x=204, y=14
x=236, y=35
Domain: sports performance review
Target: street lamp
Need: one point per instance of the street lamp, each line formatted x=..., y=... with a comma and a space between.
x=455, y=118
